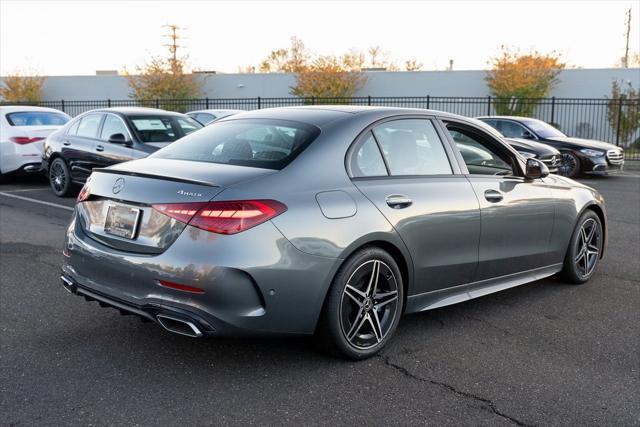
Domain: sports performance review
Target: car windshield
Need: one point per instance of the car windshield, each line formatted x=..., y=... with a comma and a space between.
x=151, y=128
x=261, y=143
x=542, y=129
x=36, y=118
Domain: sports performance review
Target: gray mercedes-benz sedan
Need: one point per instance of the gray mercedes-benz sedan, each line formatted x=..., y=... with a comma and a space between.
x=329, y=220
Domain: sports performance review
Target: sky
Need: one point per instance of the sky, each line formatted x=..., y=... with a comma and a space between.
x=80, y=37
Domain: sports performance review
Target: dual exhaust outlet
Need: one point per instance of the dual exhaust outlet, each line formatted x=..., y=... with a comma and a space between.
x=170, y=323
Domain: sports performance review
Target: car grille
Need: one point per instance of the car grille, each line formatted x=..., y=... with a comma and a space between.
x=615, y=157
x=552, y=160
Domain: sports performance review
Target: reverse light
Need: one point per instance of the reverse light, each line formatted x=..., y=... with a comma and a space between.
x=23, y=140
x=228, y=217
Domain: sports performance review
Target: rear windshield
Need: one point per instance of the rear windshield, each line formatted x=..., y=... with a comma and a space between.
x=36, y=118
x=260, y=143
x=150, y=128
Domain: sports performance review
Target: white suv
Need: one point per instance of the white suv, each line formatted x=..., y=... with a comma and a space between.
x=23, y=130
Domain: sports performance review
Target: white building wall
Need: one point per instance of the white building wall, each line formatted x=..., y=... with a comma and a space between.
x=574, y=83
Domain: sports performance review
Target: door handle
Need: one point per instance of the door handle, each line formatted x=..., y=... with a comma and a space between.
x=398, y=201
x=493, y=196
x=99, y=148
x=66, y=142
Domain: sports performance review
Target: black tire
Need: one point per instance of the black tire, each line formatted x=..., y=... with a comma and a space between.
x=60, y=177
x=570, y=165
x=359, y=319
x=585, y=249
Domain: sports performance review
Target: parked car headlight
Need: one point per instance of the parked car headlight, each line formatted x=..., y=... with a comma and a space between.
x=592, y=153
x=527, y=155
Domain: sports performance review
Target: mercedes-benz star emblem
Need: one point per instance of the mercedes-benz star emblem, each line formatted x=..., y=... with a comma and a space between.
x=118, y=186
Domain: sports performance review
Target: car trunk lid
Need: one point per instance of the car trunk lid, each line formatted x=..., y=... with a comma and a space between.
x=119, y=211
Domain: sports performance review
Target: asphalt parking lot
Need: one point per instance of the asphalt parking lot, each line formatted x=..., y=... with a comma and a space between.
x=540, y=354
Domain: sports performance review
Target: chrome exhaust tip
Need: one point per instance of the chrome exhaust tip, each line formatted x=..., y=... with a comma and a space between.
x=179, y=326
x=68, y=285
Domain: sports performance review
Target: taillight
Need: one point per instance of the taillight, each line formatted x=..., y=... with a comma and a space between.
x=23, y=140
x=229, y=217
x=84, y=194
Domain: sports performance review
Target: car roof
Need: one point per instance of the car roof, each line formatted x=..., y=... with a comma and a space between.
x=14, y=108
x=216, y=111
x=514, y=118
x=138, y=111
x=320, y=115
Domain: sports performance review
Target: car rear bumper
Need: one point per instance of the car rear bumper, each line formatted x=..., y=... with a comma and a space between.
x=254, y=283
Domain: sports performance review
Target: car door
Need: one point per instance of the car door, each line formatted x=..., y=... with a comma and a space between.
x=403, y=167
x=110, y=153
x=80, y=143
x=517, y=213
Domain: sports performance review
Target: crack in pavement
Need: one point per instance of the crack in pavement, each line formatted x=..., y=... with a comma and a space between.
x=487, y=403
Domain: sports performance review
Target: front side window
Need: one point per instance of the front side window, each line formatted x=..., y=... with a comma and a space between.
x=36, y=118
x=511, y=129
x=204, y=118
x=412, y=147
x=150, y=128
x=112, y=125
x=262, y=143
x=88, y=127
x=481, y=154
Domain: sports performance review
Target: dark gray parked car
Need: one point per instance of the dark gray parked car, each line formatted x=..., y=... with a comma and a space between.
x=325, y=220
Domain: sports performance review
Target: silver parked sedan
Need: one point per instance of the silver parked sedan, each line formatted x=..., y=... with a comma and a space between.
x=325, y=220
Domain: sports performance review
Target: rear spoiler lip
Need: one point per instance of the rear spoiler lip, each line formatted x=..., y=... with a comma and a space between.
x=148, y=175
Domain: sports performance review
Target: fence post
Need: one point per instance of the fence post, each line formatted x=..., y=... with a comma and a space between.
x=488, y=105
x=369, y=100
x=259, y=103
x=206, y=102
x=553, y=110
x=619, y=120
x=62, y=105
x=428, y=102
x=157, y=103
x=313, y=100
x=109, y=103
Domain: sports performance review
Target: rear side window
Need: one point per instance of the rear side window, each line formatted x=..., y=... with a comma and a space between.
x=261, y=143
x=36, y=118
x=366, y=159
x=88, y=126
x=412, y=147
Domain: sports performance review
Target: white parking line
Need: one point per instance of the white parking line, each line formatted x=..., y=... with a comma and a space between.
x=42, y=202
x=25, y=189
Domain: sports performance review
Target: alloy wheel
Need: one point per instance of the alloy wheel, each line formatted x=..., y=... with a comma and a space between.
x=58, y=177
x=587, y=248
x=369, y=304
x=569, y=165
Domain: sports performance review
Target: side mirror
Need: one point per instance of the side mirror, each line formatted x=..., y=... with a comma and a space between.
x=119, y=138
x=527, y=135
x=536, y=169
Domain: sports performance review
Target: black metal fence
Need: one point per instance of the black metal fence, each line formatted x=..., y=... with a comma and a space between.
x=602, y=119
